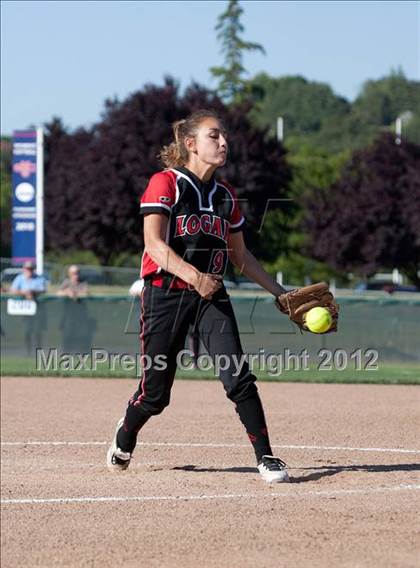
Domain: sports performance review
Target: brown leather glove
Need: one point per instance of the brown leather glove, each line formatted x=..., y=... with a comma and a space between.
x=298, y=302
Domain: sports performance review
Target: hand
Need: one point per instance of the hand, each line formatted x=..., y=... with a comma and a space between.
x=208, y=284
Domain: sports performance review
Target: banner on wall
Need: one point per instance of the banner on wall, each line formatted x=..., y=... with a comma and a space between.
x=28, y=196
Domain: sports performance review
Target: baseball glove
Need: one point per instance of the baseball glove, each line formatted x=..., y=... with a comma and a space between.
x=298, y=302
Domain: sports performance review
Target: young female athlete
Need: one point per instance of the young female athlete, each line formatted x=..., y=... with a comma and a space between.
x=192, y=225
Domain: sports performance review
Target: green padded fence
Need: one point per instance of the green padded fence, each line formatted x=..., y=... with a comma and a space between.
x=389, y=326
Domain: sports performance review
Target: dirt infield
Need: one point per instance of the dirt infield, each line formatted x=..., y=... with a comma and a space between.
x=192, y=496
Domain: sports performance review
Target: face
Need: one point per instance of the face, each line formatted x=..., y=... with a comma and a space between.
x=28, y=272
x=210, y=143
x=74, y=274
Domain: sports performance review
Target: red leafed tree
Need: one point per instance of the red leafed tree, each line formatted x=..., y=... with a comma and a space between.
x=370, y=219
x=94, y=178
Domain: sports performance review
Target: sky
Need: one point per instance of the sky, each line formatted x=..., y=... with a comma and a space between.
x=65, y=58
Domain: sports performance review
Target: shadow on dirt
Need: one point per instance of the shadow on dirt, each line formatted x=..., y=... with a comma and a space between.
x=328, y=470
x=217, y=469
x=317, y=472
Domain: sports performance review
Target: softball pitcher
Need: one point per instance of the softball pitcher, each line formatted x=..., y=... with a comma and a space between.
x=192, y=226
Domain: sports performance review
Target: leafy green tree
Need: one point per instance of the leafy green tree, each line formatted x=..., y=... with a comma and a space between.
x=67, y=257
x=411, y=129
x=229, y=30
x=315, y=115
x=375, y=110
x=380, y=102
x=312, y=168
x=304, y=105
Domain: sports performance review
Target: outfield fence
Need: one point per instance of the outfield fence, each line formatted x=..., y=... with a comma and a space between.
x=388, y=325
x=94, y=275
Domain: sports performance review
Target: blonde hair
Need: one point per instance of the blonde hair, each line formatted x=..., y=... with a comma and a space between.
x=176, y=153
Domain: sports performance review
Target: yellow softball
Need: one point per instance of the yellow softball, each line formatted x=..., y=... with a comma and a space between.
x=318, y=320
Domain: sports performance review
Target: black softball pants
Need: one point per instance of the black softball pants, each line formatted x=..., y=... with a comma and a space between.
x=166, y=316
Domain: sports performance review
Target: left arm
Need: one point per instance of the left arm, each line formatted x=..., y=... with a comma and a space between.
x=243, y=259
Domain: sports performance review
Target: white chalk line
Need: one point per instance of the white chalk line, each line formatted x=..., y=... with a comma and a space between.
x=11, y=466
x=226, y=496
x=217, y=445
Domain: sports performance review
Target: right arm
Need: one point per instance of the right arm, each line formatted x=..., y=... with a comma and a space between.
x=73, y=292
x=155, y=226
x=28, y=295
x=63, y=290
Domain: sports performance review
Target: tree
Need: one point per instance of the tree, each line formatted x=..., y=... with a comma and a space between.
x=370, y=218
x=94, y=178
x=411, y=129
x=66, y=186
x=312, y=169
x=6, y=196
x=305, y=105
x=380, y=102
x=229, y=30
x=315, y=115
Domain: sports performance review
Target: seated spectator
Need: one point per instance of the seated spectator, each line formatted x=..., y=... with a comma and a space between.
x=72, y=287
x=28, y=284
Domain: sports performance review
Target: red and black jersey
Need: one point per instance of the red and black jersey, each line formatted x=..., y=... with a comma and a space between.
x=201, y=216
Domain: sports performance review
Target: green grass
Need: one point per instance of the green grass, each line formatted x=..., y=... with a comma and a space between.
x=387, y=373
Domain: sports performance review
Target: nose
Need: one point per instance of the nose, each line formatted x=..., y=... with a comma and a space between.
x=223, y=142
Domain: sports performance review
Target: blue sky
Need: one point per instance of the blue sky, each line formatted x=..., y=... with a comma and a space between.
x=65, y=58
